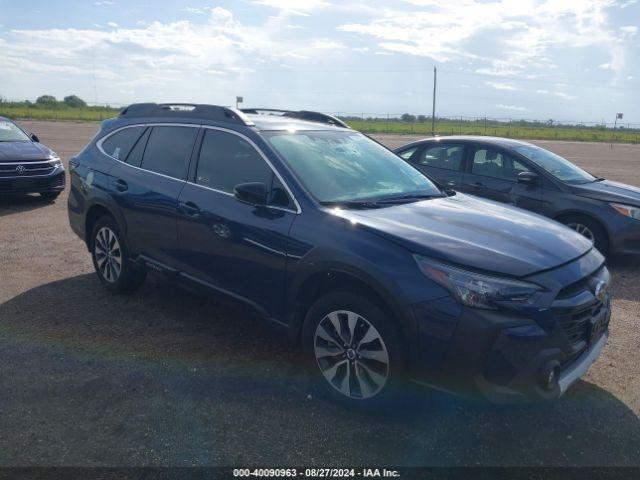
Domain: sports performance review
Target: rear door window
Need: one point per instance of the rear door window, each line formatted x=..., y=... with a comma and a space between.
x=447, y=157
x=120, y=143
x=168, y=151
x=489, y=162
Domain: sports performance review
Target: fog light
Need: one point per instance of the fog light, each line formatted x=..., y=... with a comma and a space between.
x=549, y=375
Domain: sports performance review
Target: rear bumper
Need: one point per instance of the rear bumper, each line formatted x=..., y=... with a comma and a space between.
x=55, y=182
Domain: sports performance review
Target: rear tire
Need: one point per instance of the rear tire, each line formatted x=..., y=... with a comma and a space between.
x=355, y=351
x=590, y=229
x=111, y=258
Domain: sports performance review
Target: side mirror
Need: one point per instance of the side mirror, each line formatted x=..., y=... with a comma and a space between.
x=34, y=138
x=251, y=193
x=529, y=178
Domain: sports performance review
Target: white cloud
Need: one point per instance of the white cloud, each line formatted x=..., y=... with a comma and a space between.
x=555, y=93
x=521, y=34
x=293, y=7
x=104, y=2
x=197, y=10
x=326, y=44
x=501, y=86
x=511, y=107
x=156, y=54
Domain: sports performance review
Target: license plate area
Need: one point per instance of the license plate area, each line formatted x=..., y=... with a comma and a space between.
x=598, y=325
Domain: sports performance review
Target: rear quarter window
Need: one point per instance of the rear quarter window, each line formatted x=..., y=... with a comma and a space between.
x=120, y=143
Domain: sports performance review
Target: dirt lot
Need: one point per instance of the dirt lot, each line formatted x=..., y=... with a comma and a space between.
x=170, y=377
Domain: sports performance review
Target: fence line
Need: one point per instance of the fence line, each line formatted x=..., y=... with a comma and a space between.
x=389, y=123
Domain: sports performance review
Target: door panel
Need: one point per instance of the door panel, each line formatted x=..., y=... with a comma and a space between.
x=493, y=174
x=148, y=199
x=236, y=247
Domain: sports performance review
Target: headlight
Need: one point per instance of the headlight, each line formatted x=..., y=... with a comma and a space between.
x=474, y=289
x=627, y=211
x=55, y=161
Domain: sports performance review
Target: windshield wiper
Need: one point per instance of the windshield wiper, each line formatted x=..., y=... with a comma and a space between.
x=353, y=204
x=408, y=198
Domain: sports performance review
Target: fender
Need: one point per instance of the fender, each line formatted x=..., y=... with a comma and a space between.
x=328, y=260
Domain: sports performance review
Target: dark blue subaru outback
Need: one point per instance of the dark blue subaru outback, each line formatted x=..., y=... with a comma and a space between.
x=379, y=274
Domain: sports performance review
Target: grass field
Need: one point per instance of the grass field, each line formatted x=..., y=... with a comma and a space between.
x=62, y=113
x=523, y=130
x=515, y=129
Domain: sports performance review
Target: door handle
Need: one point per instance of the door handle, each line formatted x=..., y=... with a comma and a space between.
x=121, y=185
x=478, y=184
x=191, y=209
x=451, y=183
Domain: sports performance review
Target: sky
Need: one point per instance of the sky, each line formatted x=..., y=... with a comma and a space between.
x=567, y=60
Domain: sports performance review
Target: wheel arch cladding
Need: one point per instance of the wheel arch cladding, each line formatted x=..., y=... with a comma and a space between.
x=334, y=279
x=94, y=213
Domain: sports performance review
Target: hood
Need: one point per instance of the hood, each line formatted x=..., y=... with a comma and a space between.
x=609, y=191
x=476, y=234
x=23, y=152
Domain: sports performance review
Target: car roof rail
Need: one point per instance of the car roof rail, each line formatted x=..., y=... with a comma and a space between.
x=189, y=110
x=307, y=115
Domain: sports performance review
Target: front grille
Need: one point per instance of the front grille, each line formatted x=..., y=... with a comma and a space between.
x=579, y=286
x=27, y=169
x=576, y=323
x=576, y=306
x=26, y=184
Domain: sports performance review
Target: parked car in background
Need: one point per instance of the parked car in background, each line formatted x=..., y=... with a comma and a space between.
x=530, y=177
x=27, y=166
x=381, y=275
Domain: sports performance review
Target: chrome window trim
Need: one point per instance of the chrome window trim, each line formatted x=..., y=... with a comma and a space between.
x=297, y=210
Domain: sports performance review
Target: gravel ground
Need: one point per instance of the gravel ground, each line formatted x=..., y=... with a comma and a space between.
x=172, y=377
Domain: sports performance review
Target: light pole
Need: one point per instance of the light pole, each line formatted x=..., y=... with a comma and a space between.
x=433, y=112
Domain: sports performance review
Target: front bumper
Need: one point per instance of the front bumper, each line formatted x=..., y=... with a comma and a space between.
x=55, y=182
x=624, y=233
x=578, y=368
x=506, y=357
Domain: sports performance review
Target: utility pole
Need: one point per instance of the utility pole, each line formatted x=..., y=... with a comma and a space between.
x=433, y=114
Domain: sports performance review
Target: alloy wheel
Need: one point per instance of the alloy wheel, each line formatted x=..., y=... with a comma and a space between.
x=351, y=354
x=108, y=255
x=582, y=230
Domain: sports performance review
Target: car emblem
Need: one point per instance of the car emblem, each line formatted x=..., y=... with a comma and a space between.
x=20, y=169
x=601, y=291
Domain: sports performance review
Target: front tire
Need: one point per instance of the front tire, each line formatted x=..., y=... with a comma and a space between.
x=355, y=349
x=50, y=196
x=111, y=258
x=590, y=229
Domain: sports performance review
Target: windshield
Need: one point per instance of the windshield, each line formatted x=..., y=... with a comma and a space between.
x=9, y=132
x=346, y=166
x=557, y=166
